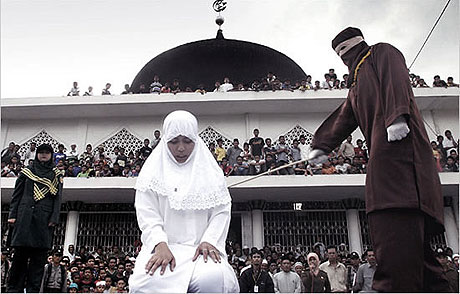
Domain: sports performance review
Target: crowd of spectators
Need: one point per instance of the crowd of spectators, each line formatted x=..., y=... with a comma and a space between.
x=258, y=155
x=268, y=83
x=319, y=269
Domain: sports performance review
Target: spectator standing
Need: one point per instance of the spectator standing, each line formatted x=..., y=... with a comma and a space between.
x=360, y=150
x=55, y=275
x=175, y=87
x=282, y=152
x=226, y=168
x=5, y=268
x=226, y=86
x=30, y=154
x=88, y=154
x=295, y=151
x=8, y=152
x=220, y=151
x=60, y=155
x=304, y=148
x=352, y=269
x=75, y=91
x=233, y=152
x=156, y=139
x=336, y=271
x=315, y=280
x=34, y=215
x=89, y=92
x=72, y=155
x=106, y=91
x=327, y=83
x=256, y=143
x=450, y=142
x=269, y=149
x=347, y=149
x=286, y=281
x=240, y=168
x=146, y=150
x=450, y=165
x=256, y=166
x=254, y=279
x=365, y=274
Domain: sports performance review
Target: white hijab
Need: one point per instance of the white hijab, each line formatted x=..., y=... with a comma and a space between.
x=198, y=183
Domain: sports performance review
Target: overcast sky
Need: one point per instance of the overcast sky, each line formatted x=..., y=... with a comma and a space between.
x=48, y=44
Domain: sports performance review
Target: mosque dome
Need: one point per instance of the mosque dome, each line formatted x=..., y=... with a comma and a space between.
x=207, y=61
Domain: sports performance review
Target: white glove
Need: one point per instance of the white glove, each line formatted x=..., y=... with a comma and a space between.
x=317, y=156
x=398, y=130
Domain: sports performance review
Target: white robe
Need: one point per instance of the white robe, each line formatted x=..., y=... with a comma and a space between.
x=183, y=231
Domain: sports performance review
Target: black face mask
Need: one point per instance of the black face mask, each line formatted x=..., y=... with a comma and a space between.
x=352, y=58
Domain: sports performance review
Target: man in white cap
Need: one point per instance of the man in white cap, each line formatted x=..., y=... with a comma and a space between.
x=403, y=191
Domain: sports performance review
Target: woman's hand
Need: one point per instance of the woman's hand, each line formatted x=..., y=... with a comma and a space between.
x=207, y=250
x=162, y=257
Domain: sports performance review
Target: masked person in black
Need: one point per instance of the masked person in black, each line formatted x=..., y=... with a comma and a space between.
x=34, y=211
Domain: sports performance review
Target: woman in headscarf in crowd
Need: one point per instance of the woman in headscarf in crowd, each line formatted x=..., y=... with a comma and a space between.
x=315, y=280
x=183, y=210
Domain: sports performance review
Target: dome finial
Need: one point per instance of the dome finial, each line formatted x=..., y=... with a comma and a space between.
x=218, y=6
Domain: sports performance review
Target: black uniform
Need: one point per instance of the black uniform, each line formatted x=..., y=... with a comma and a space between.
x=35, y=204
x=263, y=281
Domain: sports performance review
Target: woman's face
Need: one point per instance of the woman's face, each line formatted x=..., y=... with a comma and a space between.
x=181, y=147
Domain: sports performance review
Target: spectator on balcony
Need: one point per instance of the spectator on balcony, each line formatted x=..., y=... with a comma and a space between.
x=89, y=92
x=450, y=143
x=282, y=152
x=256, y=143
x=212, y=149
x=106, y=91
x=155, y=86
x=454, y=155
x=336, y=84
x=75, y=91
x=286, y=281
x=156, y=139
x=30, y=153
x=220, y=151
x=135, y=172
x=175, y=87
x=226, y=86
x=33, y=228
x=72, y=154
x=239, y=87
x=422, y=84
x=257, y=165
x=450, y=82
x=8, y=152
x=217, y=85
x=233, y=152
x=345, y=81
x=269, y=149
x=270, y=162
x=100, y=151
x=188, y=89
x=327, y=83
x=304, y=147
x=295, y=151
x=270, y=78
x=448, y=269
x=200, y=89
x=60, y=155
x=276, y=85
x=342, y=167
x=255, y=86
x=240, y=168
x=287, y=86
x=127, y=90
x=84, y=173
x=450, y=165
x=360, y=150
x=126, y=171
x=315, y=280
x=88, y=154
x=328, y=168
x=122, y=160
x=146, y=150
x=226, y=168
x=332, y=74
x=347, y=149
x=246, y=154
x=308, y=82
x=8, y=170
x=317, y=86
x=116, y=170
x=144, y=90
x=441, y=148
x=438, y=82
x=303, y=86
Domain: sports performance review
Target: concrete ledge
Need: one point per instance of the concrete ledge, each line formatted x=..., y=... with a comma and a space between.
x=271, y=188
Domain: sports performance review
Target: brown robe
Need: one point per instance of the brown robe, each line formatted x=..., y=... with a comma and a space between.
x=400, y=174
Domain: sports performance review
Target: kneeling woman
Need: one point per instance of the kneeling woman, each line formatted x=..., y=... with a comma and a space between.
x=183, y=210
